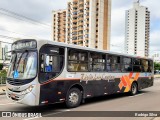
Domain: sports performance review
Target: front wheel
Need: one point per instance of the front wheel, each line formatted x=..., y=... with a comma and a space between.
x=134, y=89
x=73, y=98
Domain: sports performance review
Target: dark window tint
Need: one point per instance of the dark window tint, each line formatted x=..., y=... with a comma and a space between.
x=77, y=60
x=136, y=62
x=97, y=62
x=137, y=65
x=113, y=63
x=145, y=65
x=127, y=61
x=150, y=68
x=127, y=64
x=137, y=68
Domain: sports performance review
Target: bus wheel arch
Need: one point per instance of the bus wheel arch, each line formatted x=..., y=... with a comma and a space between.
x=134, y=88
x=74, y=96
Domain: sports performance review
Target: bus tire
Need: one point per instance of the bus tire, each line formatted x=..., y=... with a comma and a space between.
x=73, y=98
x=134, y=88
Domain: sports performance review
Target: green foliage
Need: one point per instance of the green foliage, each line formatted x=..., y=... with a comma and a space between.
x=156, y=66
x=3, y=73
x=1, y=66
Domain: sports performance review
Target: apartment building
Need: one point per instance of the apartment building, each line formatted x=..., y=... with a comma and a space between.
x=156, y=57
x=88, y=23
x=59, y=26
x=137, y=30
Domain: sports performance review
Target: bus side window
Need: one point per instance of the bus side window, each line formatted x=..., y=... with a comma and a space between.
x=109, y=59
x=77, y=60
x=137, y=65
x=97, y=62
x=127, y=64
x=113, y=63
x=150, y=66
x=145, y=65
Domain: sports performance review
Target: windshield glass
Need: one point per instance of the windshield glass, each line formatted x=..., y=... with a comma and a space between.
x=23, y=65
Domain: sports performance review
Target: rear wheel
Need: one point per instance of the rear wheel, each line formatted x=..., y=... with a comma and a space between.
x=134, y=89
x=73, y=98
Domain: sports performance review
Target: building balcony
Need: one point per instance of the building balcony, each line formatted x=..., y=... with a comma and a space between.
x=80, y=34
x=74, y=5
x=81, y=7
x=87, y=16
x=80, y=23
x=87, y=5
x=75, y=41
x=81, y=44
x=86, y=39
x=74, y=25
x=81, y=2
x=86, y=44
x=74, y=30
x=80, y=18
x=81, y=28
x=80, y=13
x=74, y=20
x=87, y=21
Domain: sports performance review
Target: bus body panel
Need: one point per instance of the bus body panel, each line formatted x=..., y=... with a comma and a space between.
x=56, y=90
x=91, y=83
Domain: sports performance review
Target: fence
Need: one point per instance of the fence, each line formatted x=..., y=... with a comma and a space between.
x=2, y=80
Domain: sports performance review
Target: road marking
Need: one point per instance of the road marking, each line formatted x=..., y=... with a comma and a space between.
x=137, y=95
x=57, y=112
x=7, y=104
x=31, y=118
x=47, y=115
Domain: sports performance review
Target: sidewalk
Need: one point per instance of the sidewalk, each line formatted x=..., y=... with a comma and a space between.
x=157, y=76
x=2, y=88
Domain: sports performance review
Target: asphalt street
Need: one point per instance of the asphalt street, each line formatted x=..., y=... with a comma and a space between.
x=146, y=100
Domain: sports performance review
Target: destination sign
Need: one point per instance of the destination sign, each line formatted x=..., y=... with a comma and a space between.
x=24, y=45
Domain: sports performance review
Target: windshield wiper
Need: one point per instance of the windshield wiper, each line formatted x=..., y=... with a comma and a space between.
x=17, y=63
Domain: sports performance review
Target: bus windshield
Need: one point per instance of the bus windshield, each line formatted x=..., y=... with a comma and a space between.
x=23, y=65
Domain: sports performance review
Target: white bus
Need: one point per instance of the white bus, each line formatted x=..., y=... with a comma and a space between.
x=45, y=72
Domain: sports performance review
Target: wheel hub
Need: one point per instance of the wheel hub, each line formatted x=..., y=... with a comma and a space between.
x=73, y=98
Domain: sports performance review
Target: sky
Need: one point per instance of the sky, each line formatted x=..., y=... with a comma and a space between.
x=41, y=12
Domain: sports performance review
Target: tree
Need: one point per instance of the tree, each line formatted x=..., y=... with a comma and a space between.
x=156, y=66
x=1, y=66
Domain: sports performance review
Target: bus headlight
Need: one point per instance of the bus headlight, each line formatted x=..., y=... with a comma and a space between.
x=28, y=90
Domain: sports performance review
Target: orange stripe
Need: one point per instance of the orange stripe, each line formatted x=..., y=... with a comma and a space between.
x=58, y=79
x=128, y=81
x=120, y=85
x=136, y=76
x=123, y=81
x=130, y=75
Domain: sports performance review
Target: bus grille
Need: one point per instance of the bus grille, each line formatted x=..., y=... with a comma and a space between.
x=15, y=82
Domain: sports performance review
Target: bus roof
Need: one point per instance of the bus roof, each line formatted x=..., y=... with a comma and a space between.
x=41, y=42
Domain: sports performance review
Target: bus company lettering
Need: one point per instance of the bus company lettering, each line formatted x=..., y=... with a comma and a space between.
x=96, y=77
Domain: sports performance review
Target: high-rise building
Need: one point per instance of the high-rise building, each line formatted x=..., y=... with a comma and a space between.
x=59, y=26
x=156, y=57
x=137, y=32
x=87, y=23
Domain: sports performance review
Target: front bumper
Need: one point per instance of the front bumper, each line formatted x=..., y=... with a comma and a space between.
x=28, y=99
